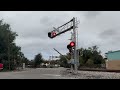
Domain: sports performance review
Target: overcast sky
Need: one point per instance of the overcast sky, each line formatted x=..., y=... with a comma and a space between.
x=101, y=28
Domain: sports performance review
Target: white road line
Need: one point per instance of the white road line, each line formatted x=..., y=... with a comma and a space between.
x=51, y=74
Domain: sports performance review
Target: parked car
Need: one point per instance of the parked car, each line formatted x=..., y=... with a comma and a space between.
x=1, y=66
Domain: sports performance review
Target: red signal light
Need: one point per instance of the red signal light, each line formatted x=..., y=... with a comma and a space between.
x=53, y=33
x=72, y=44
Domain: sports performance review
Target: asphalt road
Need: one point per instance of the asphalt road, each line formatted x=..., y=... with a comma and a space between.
x=57, y=73
x=39, y=73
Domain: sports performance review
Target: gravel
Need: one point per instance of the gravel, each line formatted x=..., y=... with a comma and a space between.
x=57, y=73
x=90, y=75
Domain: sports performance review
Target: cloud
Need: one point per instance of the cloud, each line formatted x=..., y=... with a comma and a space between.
x=108, y=34
x=91, y=14
x=96, y=28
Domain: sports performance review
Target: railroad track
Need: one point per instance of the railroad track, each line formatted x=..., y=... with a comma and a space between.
x=99, y=70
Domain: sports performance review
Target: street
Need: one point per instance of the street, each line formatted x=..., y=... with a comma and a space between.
x=57, y=73
x=38, y=73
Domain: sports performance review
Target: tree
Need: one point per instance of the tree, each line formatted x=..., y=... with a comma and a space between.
x=26, y=61
x=9, y=52
x=63, y=61
x=90, y=62
x=90, y=56
x=81, y=61
x=38, y=60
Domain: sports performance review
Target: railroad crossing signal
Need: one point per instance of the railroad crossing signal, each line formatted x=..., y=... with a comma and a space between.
x=72, y=24
x=62, y=29
x=51, y=34
x=71, y=46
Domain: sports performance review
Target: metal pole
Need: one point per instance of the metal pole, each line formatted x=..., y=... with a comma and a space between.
x=77, y=44
x=72, y=56
x=75, y=56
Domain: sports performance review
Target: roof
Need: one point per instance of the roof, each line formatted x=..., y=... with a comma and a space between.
x=112, y=51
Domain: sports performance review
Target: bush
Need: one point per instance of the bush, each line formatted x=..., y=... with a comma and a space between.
x=51, y=66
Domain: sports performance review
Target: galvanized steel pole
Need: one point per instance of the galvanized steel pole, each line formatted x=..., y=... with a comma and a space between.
x=75, y=54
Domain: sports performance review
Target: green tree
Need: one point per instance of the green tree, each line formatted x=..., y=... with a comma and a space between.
x=38, y=60
x=9, y=52
x=90, y=56
x=64, y=62
x=89, y=63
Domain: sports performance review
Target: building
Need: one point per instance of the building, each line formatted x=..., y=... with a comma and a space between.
x=113, y=60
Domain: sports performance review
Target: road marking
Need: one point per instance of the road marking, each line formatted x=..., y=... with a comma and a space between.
x=51, y=74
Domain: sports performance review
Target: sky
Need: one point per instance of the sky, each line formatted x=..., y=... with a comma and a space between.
x=99, y=28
